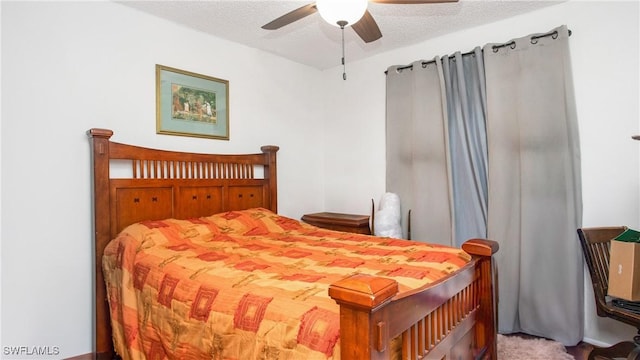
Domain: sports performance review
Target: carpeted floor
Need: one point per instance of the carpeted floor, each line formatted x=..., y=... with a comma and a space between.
x=519, y=348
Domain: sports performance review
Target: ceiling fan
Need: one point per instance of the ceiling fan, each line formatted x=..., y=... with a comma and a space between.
x=343, y=13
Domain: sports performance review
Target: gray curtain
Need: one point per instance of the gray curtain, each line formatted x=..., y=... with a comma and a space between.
x=417, y=143
x=535, y=201
x=503, y=164
x=466, y=103
x=436, y=146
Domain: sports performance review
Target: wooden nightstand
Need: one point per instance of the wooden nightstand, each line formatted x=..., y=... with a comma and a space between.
x=341, y=222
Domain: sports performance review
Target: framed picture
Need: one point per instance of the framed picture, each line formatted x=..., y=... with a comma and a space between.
x=190, y=104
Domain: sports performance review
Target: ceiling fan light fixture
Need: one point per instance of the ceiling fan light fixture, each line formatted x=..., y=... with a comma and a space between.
x=336, y=12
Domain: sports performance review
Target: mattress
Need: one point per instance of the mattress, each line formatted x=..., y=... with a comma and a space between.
x=248, y=284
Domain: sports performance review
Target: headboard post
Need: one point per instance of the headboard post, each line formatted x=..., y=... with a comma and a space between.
x=271, y=174
x=102, y=232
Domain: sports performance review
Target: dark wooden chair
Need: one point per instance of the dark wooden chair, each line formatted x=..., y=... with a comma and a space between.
x=596, y=243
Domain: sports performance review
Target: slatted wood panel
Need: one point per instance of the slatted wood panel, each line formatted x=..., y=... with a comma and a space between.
x=162, y=169
x=426, y=334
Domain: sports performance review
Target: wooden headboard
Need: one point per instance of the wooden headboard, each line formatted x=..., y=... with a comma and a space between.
x=160, y=184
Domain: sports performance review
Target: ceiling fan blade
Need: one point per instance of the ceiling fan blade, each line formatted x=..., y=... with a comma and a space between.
x=290, y=17
x=412, y=1
x=367, y=28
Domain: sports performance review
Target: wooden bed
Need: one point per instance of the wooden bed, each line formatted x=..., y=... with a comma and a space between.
x=455, y=318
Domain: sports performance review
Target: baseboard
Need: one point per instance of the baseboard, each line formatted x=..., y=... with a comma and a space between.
x=595, y=342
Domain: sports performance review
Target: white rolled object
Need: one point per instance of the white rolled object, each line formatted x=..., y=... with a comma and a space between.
x=387, y=221
x=391, y=201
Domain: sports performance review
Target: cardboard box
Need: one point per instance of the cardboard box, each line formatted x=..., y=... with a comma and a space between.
x=624, y=270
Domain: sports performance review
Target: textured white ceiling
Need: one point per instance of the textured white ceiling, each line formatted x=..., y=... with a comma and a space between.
x=313, y=42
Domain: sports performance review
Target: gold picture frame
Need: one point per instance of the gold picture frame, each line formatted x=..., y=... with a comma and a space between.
x=190, y=104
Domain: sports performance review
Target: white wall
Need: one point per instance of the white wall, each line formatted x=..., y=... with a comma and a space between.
x=604, y=51
x=70, y=66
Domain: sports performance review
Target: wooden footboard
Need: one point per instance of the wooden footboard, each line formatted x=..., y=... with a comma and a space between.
x=453, y=319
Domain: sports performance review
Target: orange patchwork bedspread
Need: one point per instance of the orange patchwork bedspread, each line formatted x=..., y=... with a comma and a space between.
x=247, y=284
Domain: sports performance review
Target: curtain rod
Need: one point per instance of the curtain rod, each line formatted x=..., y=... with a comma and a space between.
x=534, y=40
x=511, y=44
x=425, y=63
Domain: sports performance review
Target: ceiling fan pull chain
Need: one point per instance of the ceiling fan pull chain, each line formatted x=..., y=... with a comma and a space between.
x=344, y=66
